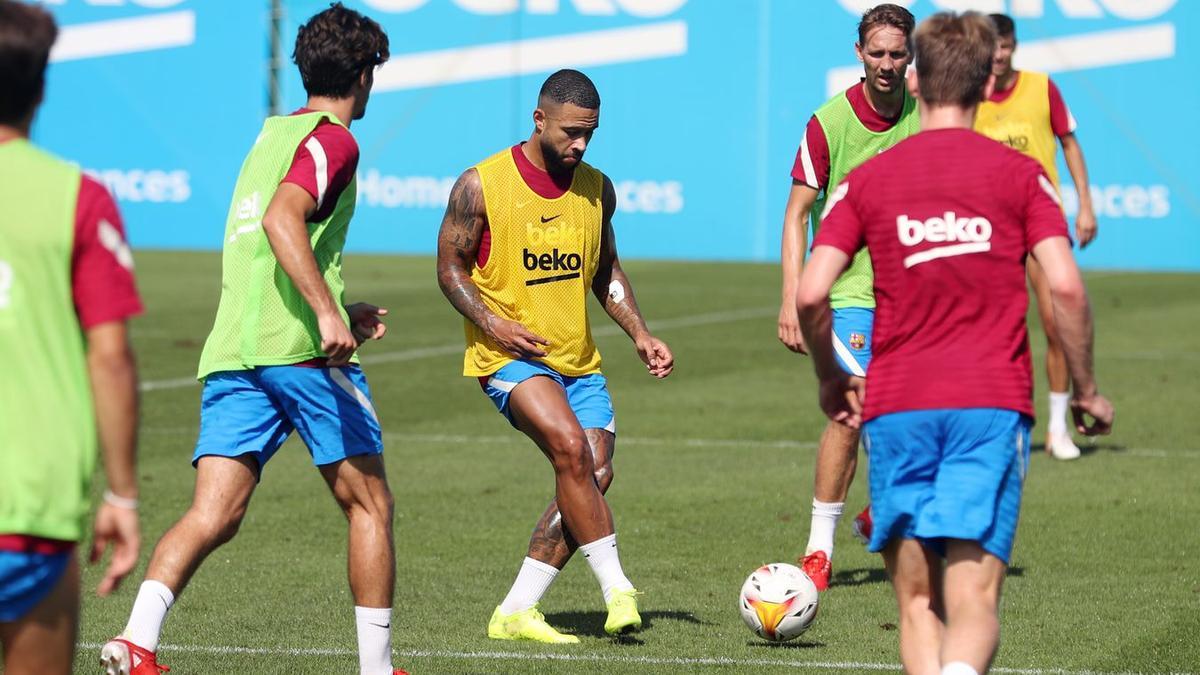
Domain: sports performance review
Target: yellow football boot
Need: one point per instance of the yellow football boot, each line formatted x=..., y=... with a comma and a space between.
x=528, y=624
x=623, y=614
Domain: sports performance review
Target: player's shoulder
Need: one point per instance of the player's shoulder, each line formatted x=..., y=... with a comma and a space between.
x=838, y=100
x=93, y=192
x=43, y=158
x=501, y=157
x=335, y=137
x=980, y=153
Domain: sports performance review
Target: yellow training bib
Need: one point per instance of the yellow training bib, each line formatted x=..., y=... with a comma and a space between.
x=539, y=270
x=1022, y=121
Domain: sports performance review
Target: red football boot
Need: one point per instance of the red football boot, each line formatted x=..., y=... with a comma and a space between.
x=121, y=657
x=818, y=568
x=862, y=526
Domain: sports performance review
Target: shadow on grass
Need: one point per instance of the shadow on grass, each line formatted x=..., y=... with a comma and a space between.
x=1086, y=447
x=859, y=577
x=592, y=623
x=878, y=575
x=799, y=644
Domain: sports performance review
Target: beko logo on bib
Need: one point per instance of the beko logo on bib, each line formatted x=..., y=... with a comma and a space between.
x=967, y=234
x=553, y=261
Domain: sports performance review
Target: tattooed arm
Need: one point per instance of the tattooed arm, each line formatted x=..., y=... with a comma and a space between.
x=458, y=245
x=613, y=290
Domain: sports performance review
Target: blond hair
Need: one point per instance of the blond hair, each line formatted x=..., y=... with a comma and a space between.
x=954, y=57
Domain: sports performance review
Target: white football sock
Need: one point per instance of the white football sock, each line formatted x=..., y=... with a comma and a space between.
x=606, y=565
x=825, y=517
x=533, y=580
x=958, y=668
x=374, y=640
x=148, y=613
x=1059, y=402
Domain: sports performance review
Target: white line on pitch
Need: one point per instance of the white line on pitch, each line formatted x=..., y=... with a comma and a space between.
x=590, y=658
x=624, y=440
x=457, y=347
x=770, y=444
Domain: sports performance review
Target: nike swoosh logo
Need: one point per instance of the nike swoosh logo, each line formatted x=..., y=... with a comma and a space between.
x=521, y=205
x=380, y=625
x=546, y=220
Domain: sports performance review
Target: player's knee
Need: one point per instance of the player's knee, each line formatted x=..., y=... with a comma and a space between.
x=375, y=503
x=383, y=506
x=218, y=526
x=572, y=456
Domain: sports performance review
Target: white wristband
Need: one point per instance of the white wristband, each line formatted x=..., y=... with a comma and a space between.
x=119, y=501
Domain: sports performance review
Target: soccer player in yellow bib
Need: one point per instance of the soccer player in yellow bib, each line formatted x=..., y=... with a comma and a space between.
x=527, y=232
x=1027, y=112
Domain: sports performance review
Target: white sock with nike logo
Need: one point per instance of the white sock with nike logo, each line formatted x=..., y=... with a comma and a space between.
x=374, y=640
x=606, y=565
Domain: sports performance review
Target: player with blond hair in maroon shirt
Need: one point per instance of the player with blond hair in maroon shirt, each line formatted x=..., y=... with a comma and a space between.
x=947, y=404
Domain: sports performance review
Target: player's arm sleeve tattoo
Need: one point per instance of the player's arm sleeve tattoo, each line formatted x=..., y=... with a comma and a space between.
x=458, y=244
x=610, y=285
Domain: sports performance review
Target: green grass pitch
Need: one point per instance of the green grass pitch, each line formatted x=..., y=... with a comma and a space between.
x=713, y=477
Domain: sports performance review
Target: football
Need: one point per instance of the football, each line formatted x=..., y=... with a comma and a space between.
x=778, y=602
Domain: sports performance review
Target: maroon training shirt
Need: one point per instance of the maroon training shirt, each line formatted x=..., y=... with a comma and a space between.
x=949, y=217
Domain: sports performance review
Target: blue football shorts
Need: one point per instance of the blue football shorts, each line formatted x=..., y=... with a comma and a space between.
x=948, y=474
x=587, y=395
x=852, y=338
x=26, y=578
x=252, y=412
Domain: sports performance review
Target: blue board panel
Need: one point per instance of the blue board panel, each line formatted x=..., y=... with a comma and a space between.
x=160, y=99
x=704, y=104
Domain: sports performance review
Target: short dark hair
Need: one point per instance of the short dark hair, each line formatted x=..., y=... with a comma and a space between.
x=1005, y=26
x=334, y=48
x=570, y=86
x=886, y=15
x=27, y=32
x=954, y=58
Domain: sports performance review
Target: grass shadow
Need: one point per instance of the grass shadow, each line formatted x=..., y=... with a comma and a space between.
x=877, y=575
x=795, y=644
x=859, y=577
x=1085, y=447
x=592, y=623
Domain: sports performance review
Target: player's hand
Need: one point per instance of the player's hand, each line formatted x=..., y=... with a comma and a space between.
x=1085, y=228
x=841, y=398
x=656, y=355
x=117, y=527
x=789, y=328
x=365, y=323
x=515, y=338
x=1098, y=408
x=337, y=341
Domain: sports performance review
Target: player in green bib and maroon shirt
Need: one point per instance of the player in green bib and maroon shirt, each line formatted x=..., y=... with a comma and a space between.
x=281, y=355
x=852, y=127
x=66, y=291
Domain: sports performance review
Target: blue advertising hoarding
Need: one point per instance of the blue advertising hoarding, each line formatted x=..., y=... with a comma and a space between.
x=160, y=100
x=704, y=104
